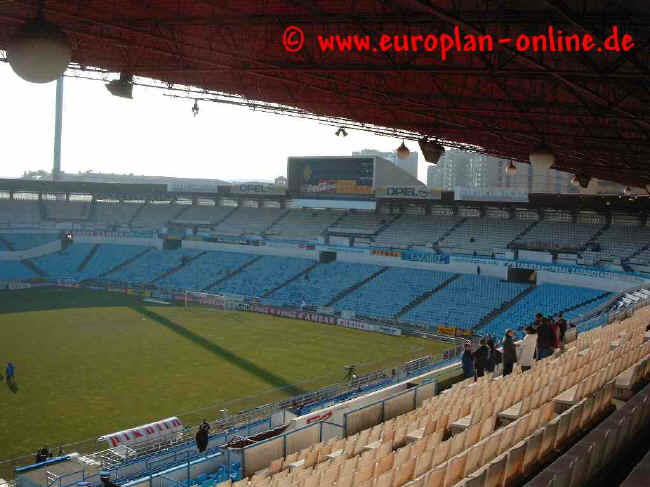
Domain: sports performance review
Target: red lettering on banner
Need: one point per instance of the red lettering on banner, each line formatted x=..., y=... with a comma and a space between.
x=136, y=434
x=315, y=419
x=149, y=430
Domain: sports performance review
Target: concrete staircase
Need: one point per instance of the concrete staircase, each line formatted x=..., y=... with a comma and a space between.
x=297, y=276
x=126, y=262
x=233, y=273
x=450, y=231
x=425, y=296
x=92, y=252
x=8, y=244
x=178, y=267
x=356, y=286
x=275, y=222
x=504, y=307
x=180, y=213
x=137, y=213
x=35, y=268
x=526, y=230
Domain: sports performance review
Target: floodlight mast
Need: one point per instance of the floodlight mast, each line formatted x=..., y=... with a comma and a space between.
x=58, y=126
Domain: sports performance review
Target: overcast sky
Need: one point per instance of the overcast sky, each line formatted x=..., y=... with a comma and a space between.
x=156, y=135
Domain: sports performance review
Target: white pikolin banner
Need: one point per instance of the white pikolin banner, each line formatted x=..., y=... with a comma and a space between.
x=146, y=432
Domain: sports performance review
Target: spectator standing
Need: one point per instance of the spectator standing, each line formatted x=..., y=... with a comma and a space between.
x=10, y=372
x=562, y=325
x=545, y=340
x=468, y=361
x=495, y=356
x=481, y=357
x=509, y=352
x=527, y=348
x=105, y=477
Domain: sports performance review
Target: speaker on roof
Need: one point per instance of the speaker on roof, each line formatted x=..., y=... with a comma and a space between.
x=431, y=150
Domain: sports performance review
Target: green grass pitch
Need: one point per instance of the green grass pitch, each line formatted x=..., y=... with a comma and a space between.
x=89, y=363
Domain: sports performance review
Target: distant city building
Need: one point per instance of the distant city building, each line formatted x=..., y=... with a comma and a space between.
x=469, y=169
x=410, y=164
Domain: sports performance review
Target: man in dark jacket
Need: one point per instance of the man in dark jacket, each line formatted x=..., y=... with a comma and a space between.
x=545, y=340
x=495, y=356
x=481, y=357
x=562, y=325
x=509, y=352
x=202, y=438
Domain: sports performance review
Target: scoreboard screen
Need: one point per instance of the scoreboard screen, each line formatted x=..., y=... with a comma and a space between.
x=331, y=175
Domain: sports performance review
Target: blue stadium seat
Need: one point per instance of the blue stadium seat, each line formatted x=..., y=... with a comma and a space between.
x=64, y=264
x=150, y=266
x=205, y=270
x=548, y=299
x=262, y=276
x=464, y=302
x=13, y=270
x=385, y=295
x=324, y=282
x=106, y=258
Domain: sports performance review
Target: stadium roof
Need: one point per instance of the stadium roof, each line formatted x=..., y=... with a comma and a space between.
x=590, y=108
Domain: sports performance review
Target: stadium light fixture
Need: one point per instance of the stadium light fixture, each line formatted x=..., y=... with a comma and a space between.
x=39, y=52
x=122, y=87
x=402, y=151
x=341, y=132
x=542, y=157
x=195, y=108
x=511, y=169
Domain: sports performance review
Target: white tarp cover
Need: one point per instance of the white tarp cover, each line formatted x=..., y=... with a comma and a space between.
x=146, y=432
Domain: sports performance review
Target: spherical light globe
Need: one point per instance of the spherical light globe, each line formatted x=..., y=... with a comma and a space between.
x=542, y=157
x=402, y=151
x=39, y=52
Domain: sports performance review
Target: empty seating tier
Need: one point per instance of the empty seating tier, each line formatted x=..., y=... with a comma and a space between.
x=63, y=264
x=483, y=235
x=385, y=295
x=416, y=230
x=262, y=276
x=151, y=265
x=557, y=235
x=322, y=284
x=205, y=270
x=249, y=221
x=115, y=213
x=464, y=302
x=303, y=224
